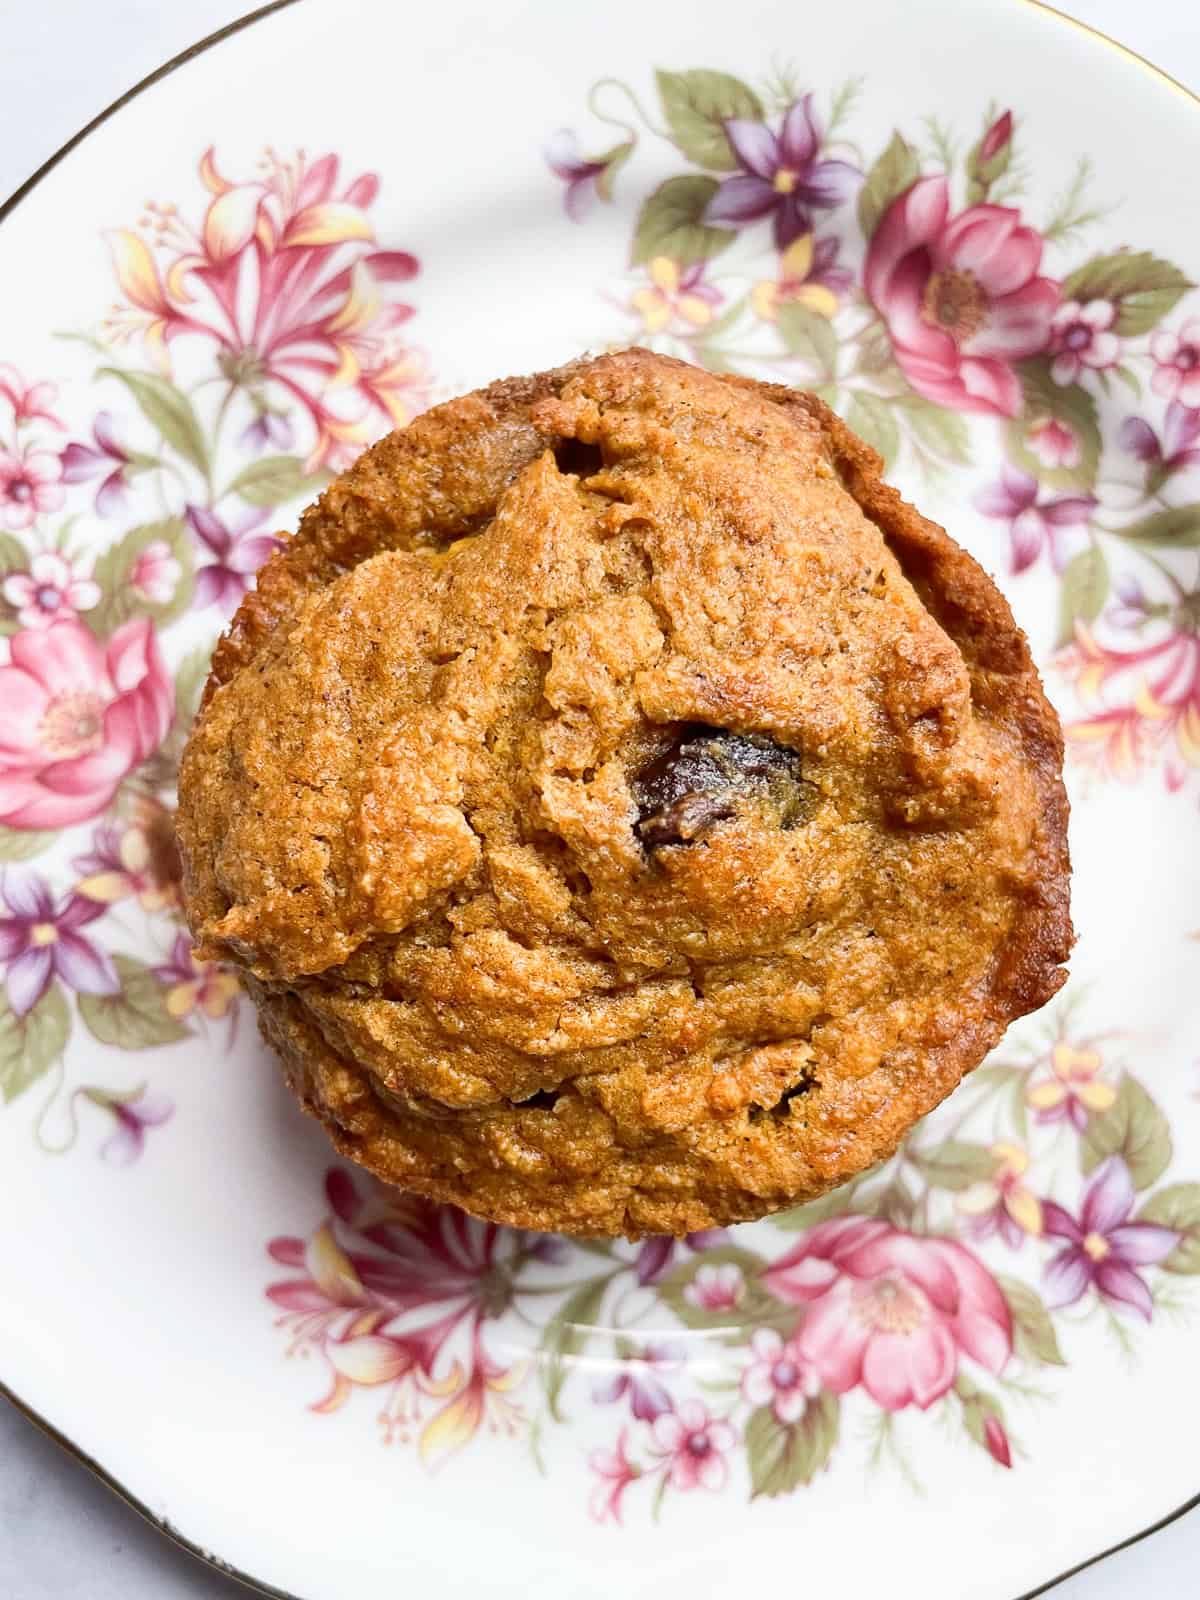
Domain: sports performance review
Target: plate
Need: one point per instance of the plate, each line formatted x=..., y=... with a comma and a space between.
x=971, y=1370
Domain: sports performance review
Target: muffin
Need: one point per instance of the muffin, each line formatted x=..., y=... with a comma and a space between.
x=626, y=813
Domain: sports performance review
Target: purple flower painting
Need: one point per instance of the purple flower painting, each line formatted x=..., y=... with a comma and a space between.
x=40, y=940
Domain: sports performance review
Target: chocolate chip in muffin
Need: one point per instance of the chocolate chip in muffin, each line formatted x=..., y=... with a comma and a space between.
x=700, y=778
x=575, y=457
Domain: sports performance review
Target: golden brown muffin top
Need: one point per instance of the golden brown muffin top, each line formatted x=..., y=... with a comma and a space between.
x=630, y=813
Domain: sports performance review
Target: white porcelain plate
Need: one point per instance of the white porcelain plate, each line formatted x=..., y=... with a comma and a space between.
x=973, y=229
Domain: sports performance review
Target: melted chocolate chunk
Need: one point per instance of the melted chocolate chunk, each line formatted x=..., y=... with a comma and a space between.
x=572, y=455
x=699, y=780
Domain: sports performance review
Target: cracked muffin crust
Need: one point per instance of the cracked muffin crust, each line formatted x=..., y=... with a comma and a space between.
x=627, y=813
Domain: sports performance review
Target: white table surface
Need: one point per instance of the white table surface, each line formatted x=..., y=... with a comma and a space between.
x=63, y=1535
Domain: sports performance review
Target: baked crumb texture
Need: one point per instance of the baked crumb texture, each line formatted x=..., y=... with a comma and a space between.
x=627, y=813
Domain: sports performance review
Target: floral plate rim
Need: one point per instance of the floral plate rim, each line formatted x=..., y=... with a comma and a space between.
x=164, y=1525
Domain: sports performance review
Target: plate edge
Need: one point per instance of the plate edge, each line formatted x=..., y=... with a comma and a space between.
x=1123, y=49
x=162, y=1525
x=260, y=1586
x=116, y=105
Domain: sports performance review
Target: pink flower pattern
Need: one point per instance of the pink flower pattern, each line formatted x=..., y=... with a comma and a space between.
x=79, y=718
x=430, y=1282
x=892, y=1311
x=779, y=1375
x=28, y=402
x=285, y=282
x=1141, y=697
x=1081, y=336
x=961, y=296
x=29, y=486
x=995, y=1437
x=716, y=1287
x=614, y=1473
x=53, y=590
x=1177, y=364
x=694, y=1446
x=279, y=284
x=156, y=573
x=1054, y=443
x=998, y=136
